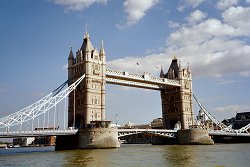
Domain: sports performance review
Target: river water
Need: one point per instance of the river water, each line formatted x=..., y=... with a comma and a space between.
x=131, y=155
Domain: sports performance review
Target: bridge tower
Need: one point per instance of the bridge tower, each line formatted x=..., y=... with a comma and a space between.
x=87, y=103
x=177, y=101
x=86, y=106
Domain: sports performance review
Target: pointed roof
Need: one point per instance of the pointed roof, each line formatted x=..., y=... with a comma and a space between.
x=162, y=73
x=174, y=57
x=174, y=67
x=71, y=55
x=102, y=51
x=86, y=45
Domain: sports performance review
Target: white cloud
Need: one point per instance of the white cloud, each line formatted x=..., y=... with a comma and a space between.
x=65, y=67
x=78, y=5
x=239, y=18
x=136, y=10
x=173, y=24
x=213, y=47
x=145, y=64
x=226, y=82
x=196, y=16
x=233, y=108
x=189, y=3
x=223, y=4
x=247, y=1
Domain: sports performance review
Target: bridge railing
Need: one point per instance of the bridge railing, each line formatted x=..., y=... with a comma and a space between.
x=146, y=77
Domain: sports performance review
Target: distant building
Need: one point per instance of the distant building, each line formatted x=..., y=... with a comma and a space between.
x=115, y=125
x=23, y=141
x=157, y=123
x=131, y=125
x=241, y=120
x=45, y=140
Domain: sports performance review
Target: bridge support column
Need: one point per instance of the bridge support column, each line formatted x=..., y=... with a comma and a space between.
x=194, y=136
x=177, y=101
x=87, y=106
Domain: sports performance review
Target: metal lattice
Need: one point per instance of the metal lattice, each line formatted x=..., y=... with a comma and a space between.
x=40, y=107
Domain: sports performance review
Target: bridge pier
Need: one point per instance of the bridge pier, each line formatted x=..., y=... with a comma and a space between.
x=89, y=138
x=194, y=136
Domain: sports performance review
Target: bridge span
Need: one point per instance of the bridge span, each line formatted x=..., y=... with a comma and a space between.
x=121, y=132
x=145, y=81
x=38, y=133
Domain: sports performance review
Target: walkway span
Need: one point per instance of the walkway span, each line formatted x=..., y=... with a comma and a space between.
x=145, y=81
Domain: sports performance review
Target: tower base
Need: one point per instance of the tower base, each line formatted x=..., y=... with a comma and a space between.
x=98, y=138
x=89, y=138
x=194, y=136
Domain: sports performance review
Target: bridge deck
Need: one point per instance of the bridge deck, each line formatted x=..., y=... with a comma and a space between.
x=142, y=81
x=36, y=133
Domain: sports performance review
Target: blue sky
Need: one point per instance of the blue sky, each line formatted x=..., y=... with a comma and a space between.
x=212, y=36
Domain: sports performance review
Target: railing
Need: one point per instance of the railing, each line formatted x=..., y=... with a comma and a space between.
x=35, y=133
x=159, y=132
x=146, y=78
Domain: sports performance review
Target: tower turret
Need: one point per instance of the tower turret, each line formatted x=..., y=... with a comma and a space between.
x=173, y=71
x=86, y=45
x=71, y=62
x=70, y=58
x=102, y=52
x=162, y=73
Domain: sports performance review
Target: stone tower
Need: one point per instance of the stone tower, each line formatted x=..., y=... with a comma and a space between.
x=87, y=102
x=177, y=101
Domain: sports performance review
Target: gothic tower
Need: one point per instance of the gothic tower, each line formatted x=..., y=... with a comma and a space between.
x=177, y=101
x=87, y=102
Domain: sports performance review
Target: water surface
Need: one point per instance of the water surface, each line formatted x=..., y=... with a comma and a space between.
x=228, y=155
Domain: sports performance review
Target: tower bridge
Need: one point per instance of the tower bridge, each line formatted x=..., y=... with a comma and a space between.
x=86, y=125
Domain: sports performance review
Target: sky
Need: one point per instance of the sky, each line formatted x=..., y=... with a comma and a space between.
x=213, y=37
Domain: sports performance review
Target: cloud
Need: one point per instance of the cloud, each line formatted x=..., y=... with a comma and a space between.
x=188, y=3
x=213, y=47
x=173, y=24
x=136, y=10
x=141, y=64
x=233, y=108
x=223, y=4
x=239, y=18
x=196, y=16
x=247, y=1
x=226, y=82
x=65, y=67
x=78, y=5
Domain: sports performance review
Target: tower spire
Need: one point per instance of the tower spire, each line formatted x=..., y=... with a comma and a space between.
x=71, y=55
x=162, y=73
x=86, y=35
x=102, y=51
x=86, y=45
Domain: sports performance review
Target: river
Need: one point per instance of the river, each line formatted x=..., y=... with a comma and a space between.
x=131, y=155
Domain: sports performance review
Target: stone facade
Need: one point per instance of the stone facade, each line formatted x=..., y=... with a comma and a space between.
x=87, y=102
x=177, y=101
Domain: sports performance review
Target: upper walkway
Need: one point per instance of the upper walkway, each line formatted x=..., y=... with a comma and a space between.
x=145, y=81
